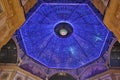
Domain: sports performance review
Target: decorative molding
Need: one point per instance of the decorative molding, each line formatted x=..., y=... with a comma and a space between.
x=100, y=5
x=112, y=74
x=112, y=17
x=15, y=73
x=28, y=4
x=11, y=19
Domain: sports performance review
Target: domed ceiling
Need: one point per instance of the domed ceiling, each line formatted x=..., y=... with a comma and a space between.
x=64, y=35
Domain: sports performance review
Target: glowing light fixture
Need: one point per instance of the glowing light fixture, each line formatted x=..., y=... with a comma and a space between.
x=63, y=32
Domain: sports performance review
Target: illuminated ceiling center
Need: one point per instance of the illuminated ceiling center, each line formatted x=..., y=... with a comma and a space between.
x=63, y=29
x=84, y=44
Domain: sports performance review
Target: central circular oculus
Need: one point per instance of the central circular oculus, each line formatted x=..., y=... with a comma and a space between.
x=63, y=29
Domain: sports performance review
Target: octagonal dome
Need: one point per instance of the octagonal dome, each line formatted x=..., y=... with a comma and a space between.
x=84, y=43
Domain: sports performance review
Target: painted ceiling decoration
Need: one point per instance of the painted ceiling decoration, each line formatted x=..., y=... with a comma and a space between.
x=53, y=1
x=64, y=35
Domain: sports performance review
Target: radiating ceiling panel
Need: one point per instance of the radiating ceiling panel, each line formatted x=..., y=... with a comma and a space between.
x=63, y=1
x=64, y=36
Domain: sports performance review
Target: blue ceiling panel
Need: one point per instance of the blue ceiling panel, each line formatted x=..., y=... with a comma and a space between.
x=84, y=45
x=63, y=1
